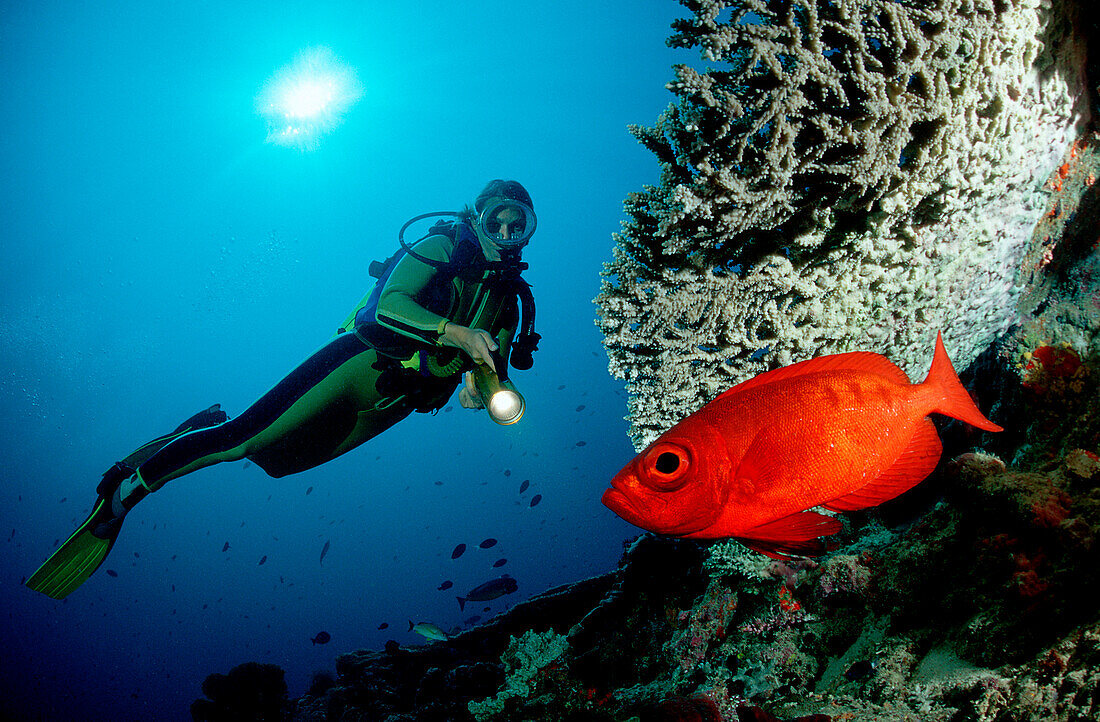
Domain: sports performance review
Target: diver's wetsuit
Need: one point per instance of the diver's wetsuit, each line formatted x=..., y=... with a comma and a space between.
x=366, y=379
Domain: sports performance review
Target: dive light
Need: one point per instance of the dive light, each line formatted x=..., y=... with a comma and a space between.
x=499, y=396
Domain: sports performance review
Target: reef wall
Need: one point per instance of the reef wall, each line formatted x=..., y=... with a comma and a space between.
x=843, y=175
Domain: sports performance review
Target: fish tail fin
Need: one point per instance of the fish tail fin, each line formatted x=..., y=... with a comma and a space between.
x=461, y=603
x=951, y=397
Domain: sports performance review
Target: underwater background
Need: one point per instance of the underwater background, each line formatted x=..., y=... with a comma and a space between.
x=160, y=256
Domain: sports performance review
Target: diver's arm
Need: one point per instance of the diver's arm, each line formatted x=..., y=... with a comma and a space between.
x=398, y=309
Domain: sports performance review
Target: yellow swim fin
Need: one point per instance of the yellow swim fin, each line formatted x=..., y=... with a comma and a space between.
x=80, y=555
x=87, y=548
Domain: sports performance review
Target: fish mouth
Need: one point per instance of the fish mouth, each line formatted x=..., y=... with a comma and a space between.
x=618, y=502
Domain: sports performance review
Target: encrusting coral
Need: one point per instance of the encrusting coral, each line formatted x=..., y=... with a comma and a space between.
x=848, y=175
x=526, y=657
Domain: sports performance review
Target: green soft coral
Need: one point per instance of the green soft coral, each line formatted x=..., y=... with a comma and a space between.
x=525, y=657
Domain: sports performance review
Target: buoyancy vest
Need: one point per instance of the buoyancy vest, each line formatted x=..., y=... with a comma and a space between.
x=436, y=296
x=424, y=374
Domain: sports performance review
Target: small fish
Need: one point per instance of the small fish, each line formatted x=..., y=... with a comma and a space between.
x=427, y=630
x=309, y=491
x=324, y=551
x=446, y=585
x=384, y=625
x=536, y=499
x=846, y=432
x=582, y=443
x=489, y=590
x=226, y=547
x=63, y=500
x=112, y=573
x=488, y=543
x=580, y=408
x=499, y=563
x=507, y=472
x=262, y=560
x=458, y=550
x=523, y=487
x=321, y=638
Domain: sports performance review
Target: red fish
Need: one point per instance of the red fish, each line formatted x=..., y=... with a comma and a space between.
x=843, y=432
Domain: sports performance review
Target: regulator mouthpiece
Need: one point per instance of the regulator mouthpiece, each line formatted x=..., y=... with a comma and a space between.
x=501, y=399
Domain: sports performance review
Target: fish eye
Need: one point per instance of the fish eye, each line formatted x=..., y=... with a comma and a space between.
x=667, y=465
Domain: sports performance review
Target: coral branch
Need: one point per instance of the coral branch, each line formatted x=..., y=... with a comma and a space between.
x=844, y=174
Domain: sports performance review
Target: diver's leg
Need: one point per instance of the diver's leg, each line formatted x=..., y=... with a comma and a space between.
x=302, y=438
x=318, y=393
x=371, y=423
x=87, y=548
x=317, y=406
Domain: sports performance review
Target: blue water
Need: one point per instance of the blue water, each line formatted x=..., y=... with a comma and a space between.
x=158, y=256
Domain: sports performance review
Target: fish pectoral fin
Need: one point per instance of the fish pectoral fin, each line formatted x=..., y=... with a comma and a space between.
x=792, y=536
x=909, y=469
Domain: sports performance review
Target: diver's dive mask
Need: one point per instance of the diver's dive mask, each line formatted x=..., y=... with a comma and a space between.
x=507, y=223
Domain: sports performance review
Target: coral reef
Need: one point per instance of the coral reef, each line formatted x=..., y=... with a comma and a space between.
x=981, y=607
x=527, y=662
x=251, y=692
x=976, y=601
x=320, y=683
x=439, y=680
x=847, y=175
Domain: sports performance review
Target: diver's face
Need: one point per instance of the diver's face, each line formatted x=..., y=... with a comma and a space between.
x=507, y=223
x=509, y=220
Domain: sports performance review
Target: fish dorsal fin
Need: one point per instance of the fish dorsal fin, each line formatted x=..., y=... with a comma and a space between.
x=909, y=469
x=793, y=535
x=854, y=361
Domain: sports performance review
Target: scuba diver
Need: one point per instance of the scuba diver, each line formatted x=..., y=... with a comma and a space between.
x=449, y=303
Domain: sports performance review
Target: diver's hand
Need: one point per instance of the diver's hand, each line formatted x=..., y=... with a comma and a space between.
x=476, y=343
x=468, y=395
